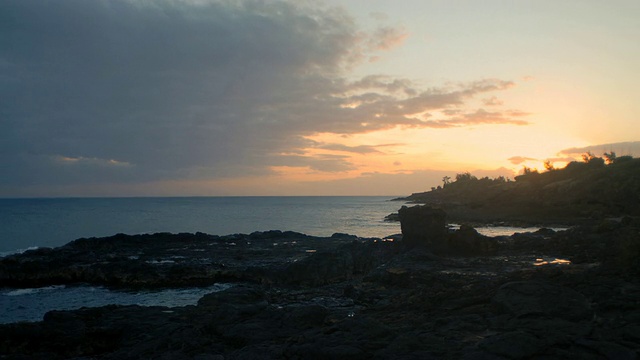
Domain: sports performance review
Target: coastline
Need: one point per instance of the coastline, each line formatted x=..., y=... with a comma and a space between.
x=345, y=297
x=54, y=222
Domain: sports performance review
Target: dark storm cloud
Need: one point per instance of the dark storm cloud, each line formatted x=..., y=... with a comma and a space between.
x=99, y=91
x=163, y=86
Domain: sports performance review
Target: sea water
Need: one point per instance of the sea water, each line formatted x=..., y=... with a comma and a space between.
x=31, y=304
x=33, y=223
x=29, y=223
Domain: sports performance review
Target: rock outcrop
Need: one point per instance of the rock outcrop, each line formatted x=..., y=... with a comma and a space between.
x=423, y=226
x=426, y=227
x=179, y=260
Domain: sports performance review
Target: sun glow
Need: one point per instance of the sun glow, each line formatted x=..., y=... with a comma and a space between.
x=486, y=147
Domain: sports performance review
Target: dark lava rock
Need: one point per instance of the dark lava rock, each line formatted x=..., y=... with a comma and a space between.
x=338, y=264
x=340, y=297
x=237, y=296
x=423, y=226
x=426, y=227
x=534, y=298
x=513, y=345
x=179, y=260
x=467, y=241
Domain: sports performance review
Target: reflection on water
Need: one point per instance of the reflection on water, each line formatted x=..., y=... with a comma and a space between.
x=554, y=261
x=504, y=230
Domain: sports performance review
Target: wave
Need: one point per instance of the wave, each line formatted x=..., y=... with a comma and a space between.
x=19, y=251
x=30, y=291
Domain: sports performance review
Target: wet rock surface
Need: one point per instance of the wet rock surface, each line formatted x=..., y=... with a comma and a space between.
x=178, y=260
x=343, y=297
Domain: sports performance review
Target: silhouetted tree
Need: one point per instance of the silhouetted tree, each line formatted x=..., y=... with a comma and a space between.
x=466, y=176
x=588, y=157
x=500, y=179
x=446, y=180
x=548, y=165
x=592, y=161
x=610, y=158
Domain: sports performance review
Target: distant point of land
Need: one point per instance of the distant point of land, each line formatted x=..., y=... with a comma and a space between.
x=591, y=189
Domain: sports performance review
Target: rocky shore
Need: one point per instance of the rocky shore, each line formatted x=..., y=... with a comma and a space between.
x=429, y=293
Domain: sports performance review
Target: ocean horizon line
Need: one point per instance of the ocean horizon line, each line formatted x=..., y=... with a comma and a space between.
x=192, y=196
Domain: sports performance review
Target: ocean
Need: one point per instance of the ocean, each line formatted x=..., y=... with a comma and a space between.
x=51, y=222
x=31, y=223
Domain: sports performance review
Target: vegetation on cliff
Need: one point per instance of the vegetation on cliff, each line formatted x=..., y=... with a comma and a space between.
x=593, y=188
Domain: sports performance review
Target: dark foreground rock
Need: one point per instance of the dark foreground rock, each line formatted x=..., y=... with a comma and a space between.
x=360, y=299
x=179, y=260
x=426, y=227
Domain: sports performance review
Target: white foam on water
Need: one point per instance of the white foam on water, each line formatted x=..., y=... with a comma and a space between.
x=20, y=292
x=18, y=251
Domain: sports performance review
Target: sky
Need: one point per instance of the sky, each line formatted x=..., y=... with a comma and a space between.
x=351, y=97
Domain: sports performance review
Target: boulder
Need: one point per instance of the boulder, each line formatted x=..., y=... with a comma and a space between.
x=467, y=241
x=423, y=226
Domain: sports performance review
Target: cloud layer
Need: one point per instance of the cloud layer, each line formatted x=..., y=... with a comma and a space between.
x=134, y=91
x=620, y=148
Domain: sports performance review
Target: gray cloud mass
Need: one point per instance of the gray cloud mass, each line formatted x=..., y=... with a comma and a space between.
x=134, y=91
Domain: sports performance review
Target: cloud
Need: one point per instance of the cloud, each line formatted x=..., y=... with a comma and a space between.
x=379, y=16
x=360, y=149
x=80, y=161
x=517, y=160
x=318, y=162
x=386, y=83
x=386, y=38
x=565, y=159
x=492, y=101
x=479, y=117
x=620, y=148
x=190, y=90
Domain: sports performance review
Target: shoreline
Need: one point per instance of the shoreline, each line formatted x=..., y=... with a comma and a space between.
x=484, y=229
x=345, y=297
x=55, y=223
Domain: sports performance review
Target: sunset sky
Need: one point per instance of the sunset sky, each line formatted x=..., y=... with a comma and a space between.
x=350, y=97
